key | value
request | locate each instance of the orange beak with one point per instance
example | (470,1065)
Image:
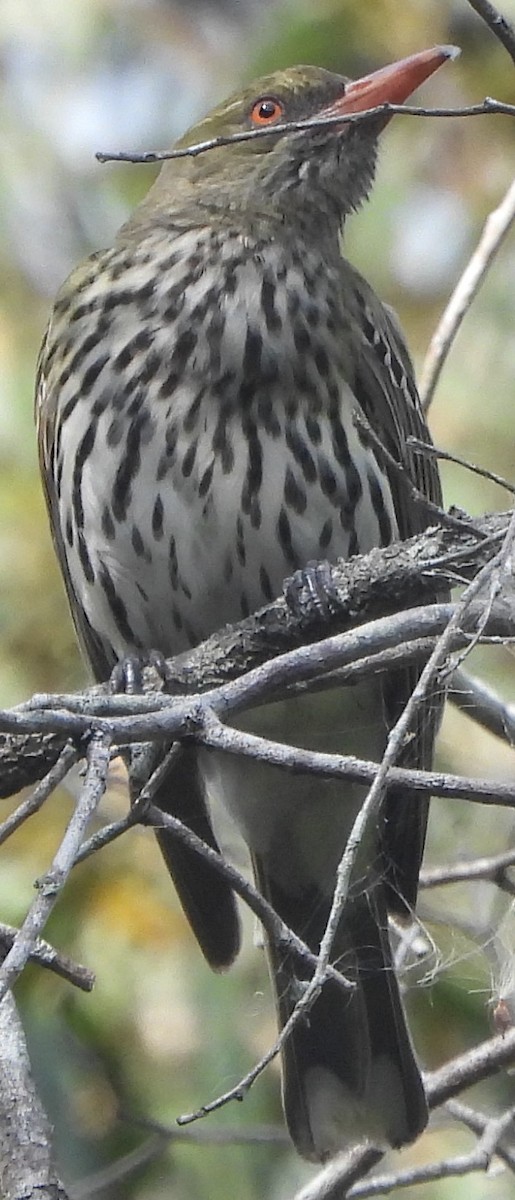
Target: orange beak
(392,84)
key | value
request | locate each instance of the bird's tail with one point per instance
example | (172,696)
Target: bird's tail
(349,1071)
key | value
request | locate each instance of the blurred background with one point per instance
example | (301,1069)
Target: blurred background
(160,1035)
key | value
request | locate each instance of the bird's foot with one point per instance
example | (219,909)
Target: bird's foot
(142,758)
(311,591)
(127,675)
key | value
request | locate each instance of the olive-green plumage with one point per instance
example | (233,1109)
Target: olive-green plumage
(196,397)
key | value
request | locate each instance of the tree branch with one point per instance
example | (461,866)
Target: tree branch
(462,1072)
(497,226)
(502,29)
(485,107)
(26,1163)
(46,956)
(493,868)
(479,701)
(367,586)
(51,884)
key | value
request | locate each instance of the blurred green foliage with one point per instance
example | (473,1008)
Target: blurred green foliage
(160,1035)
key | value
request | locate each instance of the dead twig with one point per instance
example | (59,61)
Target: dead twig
(27,1169)
(492,867)
(51,884)
(485,107)
(392,578)
(497,225)
(502,29)
(44,955)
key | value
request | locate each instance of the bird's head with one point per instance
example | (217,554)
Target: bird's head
(318,174)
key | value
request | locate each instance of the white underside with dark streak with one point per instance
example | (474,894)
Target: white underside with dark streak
(205,530)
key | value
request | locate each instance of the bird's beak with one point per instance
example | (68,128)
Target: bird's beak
(390,85)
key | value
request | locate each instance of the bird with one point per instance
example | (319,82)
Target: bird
(197,393)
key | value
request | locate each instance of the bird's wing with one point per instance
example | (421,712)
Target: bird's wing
(47,423)
(206,897)
(384,386)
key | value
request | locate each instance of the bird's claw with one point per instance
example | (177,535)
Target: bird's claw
(312,588)
(127,675)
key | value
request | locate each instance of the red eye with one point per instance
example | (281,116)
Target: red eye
(266,110)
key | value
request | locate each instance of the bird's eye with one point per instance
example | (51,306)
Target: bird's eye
(266,110)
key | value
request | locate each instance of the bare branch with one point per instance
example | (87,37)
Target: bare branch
(108,1177)
(188,717)
(477,1064)
(388,579)
(487,106)
(431,451)
(479,701)
(26,1162)
(500,26)
(477,1122)
(163,1135)
(277,931)
(336,1180)
(67,758)
(492,868)
(497,225)
(51,884)
(440,1085)
(478,1159)
(369,812)
(46,956)
(345,766)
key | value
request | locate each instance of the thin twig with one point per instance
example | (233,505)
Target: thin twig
(51,884)
(497,225)
(163,1136)
(150,1150)
(487,106)
(479,701)
(483,1061)
(431,451)
(105,836)
(242,1087)
(501,569)
(413,494)
(477,1122)
(67,759)
(44,955)
(478,1159)
(369,812)
(502,29)
(181,716)
(27,1168)
(491,868)
(110,833)
(277,931)
(224,738)
(462,1072)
